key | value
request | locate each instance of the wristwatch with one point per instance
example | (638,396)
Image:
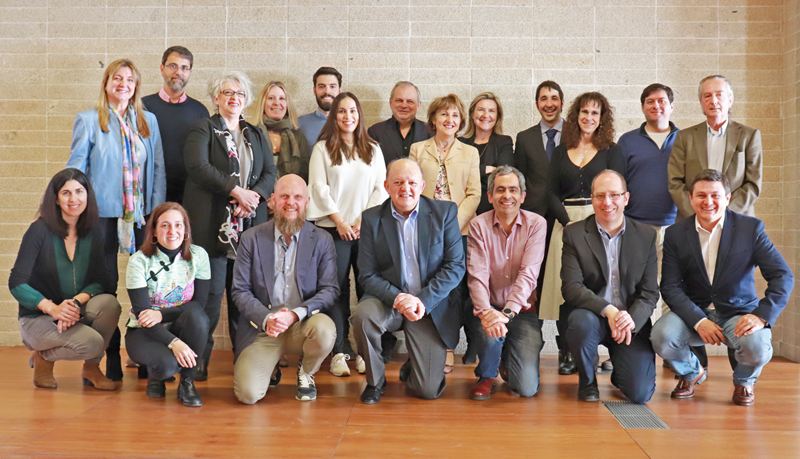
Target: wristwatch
(509,313)
(77,302)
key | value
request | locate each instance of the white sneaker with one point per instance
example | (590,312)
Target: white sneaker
(306,389)
(339,365)
(361,366)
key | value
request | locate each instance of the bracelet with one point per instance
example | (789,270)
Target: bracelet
(77,302)
(172,343)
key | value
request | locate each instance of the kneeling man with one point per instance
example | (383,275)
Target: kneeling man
(410,259)
(284,275)
(707,282)
(609,280)
(505,248)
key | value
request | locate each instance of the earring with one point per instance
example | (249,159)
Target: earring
(185,236)
(154,241)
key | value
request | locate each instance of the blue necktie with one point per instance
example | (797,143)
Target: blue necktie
(551,143)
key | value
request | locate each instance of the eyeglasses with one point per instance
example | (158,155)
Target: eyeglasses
(231,93)
(602,196)
(183,68)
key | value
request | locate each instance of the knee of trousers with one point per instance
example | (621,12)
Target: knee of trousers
(91,348)
(162,368)
(639,392)
(249,395)
(110,306)
(425,389)
(664,336)
(581,323)
(195,320)
(324,331)
(525,387)
(361,320)
(754,351)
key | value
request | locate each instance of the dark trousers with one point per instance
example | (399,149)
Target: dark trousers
(346,257)
(634,365)
(219,273)
(233,310)
(191,327)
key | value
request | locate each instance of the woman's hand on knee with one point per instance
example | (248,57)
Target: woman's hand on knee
(184,354)
(149,318)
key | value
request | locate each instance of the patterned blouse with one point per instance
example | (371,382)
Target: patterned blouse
(442,190)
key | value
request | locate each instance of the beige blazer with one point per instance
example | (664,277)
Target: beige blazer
(462,167)
(742,165)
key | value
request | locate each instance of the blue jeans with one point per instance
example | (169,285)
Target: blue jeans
(519,350)
(672,338)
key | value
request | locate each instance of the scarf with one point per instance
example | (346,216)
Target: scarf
(232,227)
(288,158)
(132,196)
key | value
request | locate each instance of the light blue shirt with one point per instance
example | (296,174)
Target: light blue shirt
(409,249)
(286,294)
(311,125)
(612,245)
(546,128)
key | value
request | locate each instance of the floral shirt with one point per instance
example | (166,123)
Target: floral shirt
(442,190)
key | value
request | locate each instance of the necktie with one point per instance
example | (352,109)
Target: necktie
(551,143)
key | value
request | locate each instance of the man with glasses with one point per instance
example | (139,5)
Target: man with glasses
(609,281)
(175,112)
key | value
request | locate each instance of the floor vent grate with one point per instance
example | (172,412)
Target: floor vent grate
(633,416)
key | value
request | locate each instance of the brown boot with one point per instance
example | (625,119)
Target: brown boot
(43,372)
(92,376)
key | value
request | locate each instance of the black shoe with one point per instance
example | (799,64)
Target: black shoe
(306,387)
(567,366)
(405,371)
(187,394)
(156,389)
(113,367)
(372,394)
(589,393)
(388,342)
(606,366)
(202,370)
(275,379)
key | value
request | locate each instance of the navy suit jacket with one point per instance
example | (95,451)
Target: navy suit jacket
(441,261)
(254,276)
(743,245)
(387,134)
(530,158)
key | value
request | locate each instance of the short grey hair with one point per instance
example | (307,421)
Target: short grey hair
(506,170)
(235,76)
(713,77)
(405,83)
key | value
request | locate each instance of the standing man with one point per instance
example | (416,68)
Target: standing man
(610,282)
(708,283)
(175,112)
(396,134)
(327,85)
(534,149)
(505,249)
(720,144)
(410,259)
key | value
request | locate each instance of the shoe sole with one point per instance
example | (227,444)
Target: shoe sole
(743,404)
(305,398)
(567,373)
(480,397)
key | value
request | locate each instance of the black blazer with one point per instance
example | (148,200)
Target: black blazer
(584,270)
(499,151)
(387,134)
(531,159)
(209,185)
(743,245)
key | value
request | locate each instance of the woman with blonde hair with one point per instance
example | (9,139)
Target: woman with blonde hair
(276,116)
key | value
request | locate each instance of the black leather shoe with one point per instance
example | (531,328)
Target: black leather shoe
(568,365)
(156,389)
(606,366)
(405,371)
(202,370)
(589,393)
(275,379)
(372,394)
(187,394)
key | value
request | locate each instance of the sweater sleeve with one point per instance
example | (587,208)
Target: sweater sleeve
(29,249)
(319,190)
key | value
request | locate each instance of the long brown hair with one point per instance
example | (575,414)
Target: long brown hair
(50,211)
(337,149)
(603,137)
(149,247)
(136,100)
(498,125)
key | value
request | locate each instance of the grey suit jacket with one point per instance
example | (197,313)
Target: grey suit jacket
(584,270)
(254,276)
(742,165)
(530,158)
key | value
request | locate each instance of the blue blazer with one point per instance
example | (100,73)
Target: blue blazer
(99,155)
(743,245)
(441,261)
(254,276)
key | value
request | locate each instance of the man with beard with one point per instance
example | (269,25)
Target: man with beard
(327,85)
(175,112)
(284,275)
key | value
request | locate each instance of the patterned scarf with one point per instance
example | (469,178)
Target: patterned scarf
(132,196)
(232,227)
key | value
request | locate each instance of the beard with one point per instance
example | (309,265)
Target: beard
(290,226)
(176,85)
(324,105)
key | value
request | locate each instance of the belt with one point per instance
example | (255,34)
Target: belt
(578,202)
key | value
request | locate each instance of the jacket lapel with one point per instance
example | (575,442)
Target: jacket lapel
(266,250)
(424,237)
(595,244)
(694,245)
(305,246)
(724,245)
(627,245)
(389,225)
(218,125)
(731,141)
(700,137)
(430,149)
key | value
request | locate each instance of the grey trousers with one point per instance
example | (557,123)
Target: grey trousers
(312,338)
(86,340)
(426,350)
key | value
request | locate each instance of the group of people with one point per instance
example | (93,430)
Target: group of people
(440,232)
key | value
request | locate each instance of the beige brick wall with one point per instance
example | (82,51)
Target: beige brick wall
(52,54)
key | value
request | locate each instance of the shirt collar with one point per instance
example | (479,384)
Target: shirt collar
(722,129)
(496,222)
(165,97)
(718,226)
(603,232)
(398,216)
(557,127)
(319,114)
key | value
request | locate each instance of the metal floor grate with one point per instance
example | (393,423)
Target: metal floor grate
(633,416)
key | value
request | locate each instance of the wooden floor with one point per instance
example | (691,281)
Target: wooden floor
(74,421)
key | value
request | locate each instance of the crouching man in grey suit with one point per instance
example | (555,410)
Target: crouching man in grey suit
(285,274)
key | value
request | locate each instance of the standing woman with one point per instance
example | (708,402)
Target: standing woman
(587,148)
(118,145)
(66,309)
(277,119)
(230,177)
(450,168)
(485,133)
(346,176)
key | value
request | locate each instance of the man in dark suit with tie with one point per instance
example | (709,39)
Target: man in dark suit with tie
(708,283)
(285,274)
(398,133)
(609,281)
(410,259)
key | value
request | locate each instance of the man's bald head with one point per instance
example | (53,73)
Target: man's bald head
(289,202)
(404,184)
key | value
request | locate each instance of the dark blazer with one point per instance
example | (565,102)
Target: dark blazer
(254,276)
(531,159)
(743,245)
(499,151)
(387,134)
(209,185)
(584,270)
(441,261)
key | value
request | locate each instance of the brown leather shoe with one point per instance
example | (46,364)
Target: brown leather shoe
(685,388)
(743,395)
(482,390)
(43,372)
(92,376)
